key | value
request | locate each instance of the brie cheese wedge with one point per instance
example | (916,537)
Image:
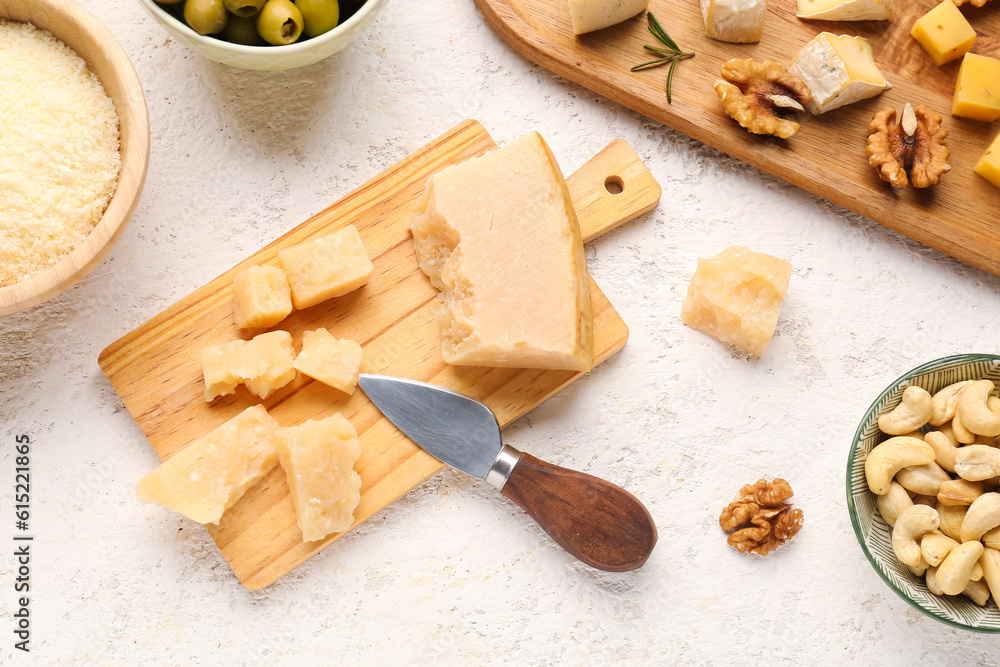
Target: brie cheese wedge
(838,71)
(590,15)
(737,21)
(846,10)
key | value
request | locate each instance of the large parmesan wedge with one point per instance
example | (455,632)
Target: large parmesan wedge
(318,458)
(499,237)
(208,476)
(838,70)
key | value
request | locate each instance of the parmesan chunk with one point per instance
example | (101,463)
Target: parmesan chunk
(208,476)
(261,297)
(331,361)
(318,458)
(326,267)
(499,236)
(264,364)
(736,297)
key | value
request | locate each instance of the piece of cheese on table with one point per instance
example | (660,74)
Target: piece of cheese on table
(977,90)
(737,21)
(838,70)
(332,361)
(326,267)
(318,458)
(846,10)
(261,297)
(590,15)
(264,364)
(208,476)
(988,165)
(736,297)
(944,33)
(499,236)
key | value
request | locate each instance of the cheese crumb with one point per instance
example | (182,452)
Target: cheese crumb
(59,158)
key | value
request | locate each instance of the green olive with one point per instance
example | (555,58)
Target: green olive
(319,15)
(242,30)
(279,22)
(206,17)
(244,7)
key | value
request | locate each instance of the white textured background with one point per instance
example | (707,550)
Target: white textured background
(453,573)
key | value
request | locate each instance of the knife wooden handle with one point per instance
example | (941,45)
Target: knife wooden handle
(603,525)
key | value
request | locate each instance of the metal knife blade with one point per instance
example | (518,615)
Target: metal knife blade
(596,521)
(450,426)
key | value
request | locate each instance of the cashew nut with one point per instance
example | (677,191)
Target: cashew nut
(925,480)
(977,462)
(991,538)
(974,409)
(962,434)
(985,439)
(978,592)
(990,562)
(913,411)
(944,449)
(943,403)
(954,573)
(888,458)
(892,503)
(920,568)
(959,492)
(977,572)
(931,578)
(983,515)
(952,517)
(935,546)
(930,501)
(912,524)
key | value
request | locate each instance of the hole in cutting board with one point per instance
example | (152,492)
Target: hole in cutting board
(614,185)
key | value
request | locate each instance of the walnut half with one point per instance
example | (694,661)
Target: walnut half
(760,518)
(761,96)
(915,144)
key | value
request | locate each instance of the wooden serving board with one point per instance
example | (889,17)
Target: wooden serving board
(157,372)
(960,217)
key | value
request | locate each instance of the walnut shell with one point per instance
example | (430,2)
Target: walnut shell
(761,95)
(915,144)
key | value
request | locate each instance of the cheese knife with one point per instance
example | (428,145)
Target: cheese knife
(596,521)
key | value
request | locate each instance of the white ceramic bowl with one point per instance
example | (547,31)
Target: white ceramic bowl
(873,532)
(268,58)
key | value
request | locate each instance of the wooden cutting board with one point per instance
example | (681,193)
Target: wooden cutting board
(156,368)
(960,217)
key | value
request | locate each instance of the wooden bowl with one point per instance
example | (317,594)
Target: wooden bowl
(82,32)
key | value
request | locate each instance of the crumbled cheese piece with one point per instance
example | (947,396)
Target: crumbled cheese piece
(329,360)
(208,476)
(263,363)
(261,297)
(736,297)
(59,157)
(326,267)
(318,458)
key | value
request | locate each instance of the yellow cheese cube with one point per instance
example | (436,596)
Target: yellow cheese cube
(264,364)
(944,33)
(989,164)
(208,476)
(977,91)
(318,458)
(326,267)
(736,297)
(261,297)
(329,360)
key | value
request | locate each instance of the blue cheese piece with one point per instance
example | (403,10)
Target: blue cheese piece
(838,71)
(590,15)
(737,21)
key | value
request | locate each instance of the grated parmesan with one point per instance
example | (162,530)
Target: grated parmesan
(59,156)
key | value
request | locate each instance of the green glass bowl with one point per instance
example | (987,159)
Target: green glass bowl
(871,529)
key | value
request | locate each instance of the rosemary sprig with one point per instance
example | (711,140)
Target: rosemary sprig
(672,54)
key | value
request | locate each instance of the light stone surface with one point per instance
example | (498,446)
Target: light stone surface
(453,573)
